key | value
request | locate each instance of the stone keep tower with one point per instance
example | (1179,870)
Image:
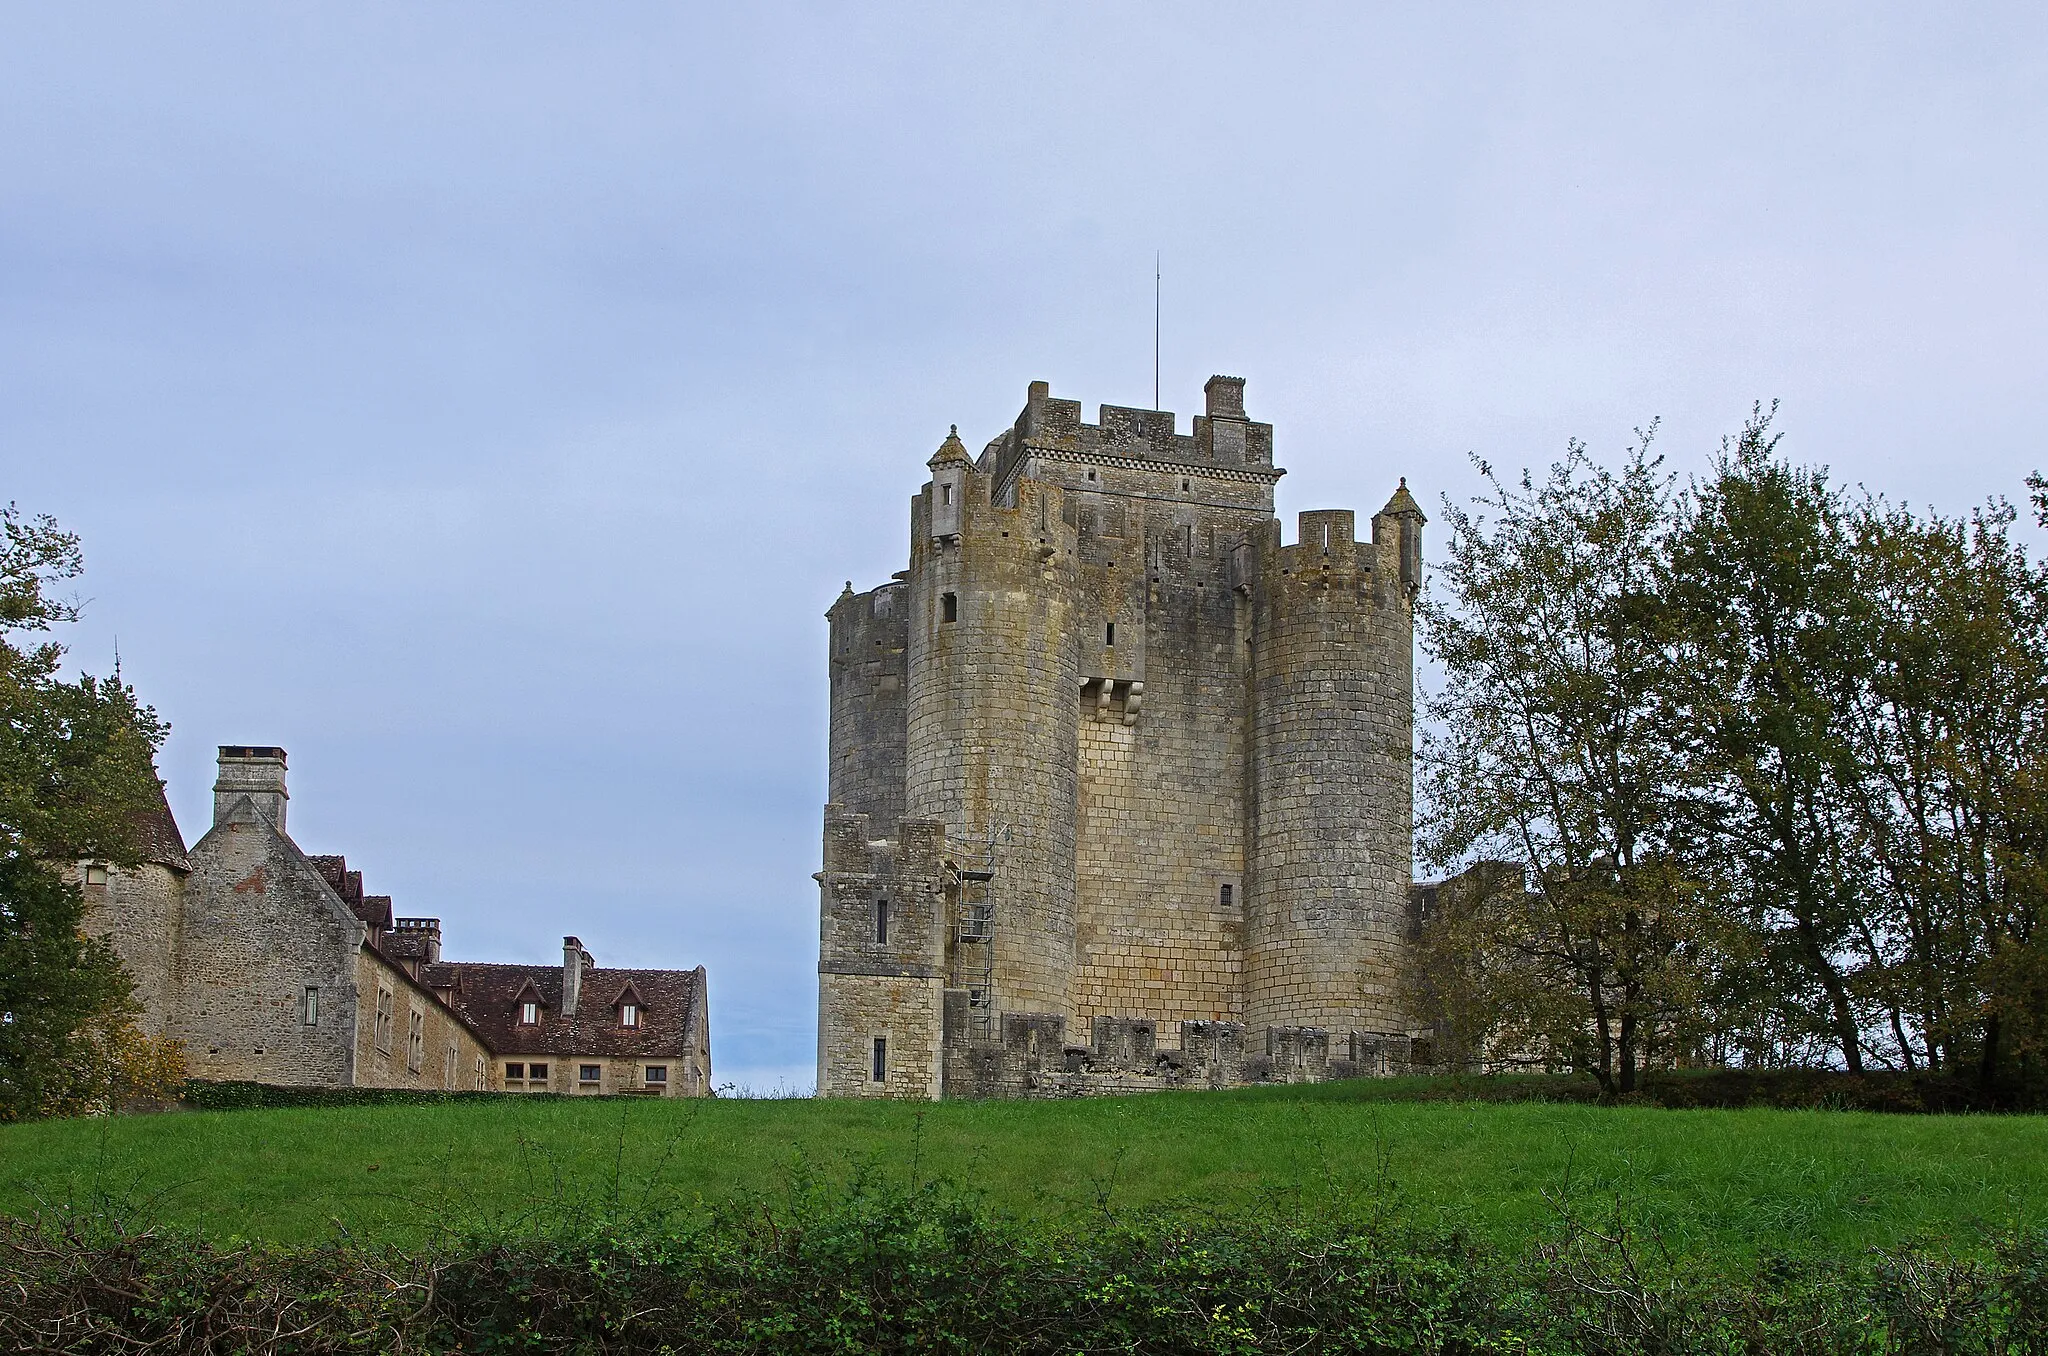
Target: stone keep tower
(1110,760)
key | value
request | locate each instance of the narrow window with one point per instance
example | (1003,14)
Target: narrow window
(629,1014)
(881,1067)
(589,1073)
(1112,634)
(1091,475)
(1183,484)
(945,495)
(1226,897)
(482,1078)
(882,921)
(657,1075)
(529,1014)
(949,607)
(309,1006)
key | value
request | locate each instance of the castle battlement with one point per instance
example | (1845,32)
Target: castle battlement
(1145,767)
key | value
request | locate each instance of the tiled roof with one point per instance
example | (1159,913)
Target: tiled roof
(374,910)
(488,997)
(156,834)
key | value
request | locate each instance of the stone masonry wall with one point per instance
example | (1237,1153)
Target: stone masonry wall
(261,927)
(993,713)
(880,980)
(447,1056)
(1182,748)
(1331,813)
(140,911)
(869,642)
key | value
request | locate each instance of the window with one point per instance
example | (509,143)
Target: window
(881,1067)
(589,1073)
(515,1073)
(483,1079)
(537,1074)
(629,1014)
(1183,484)
(1091,475)
(416,1042)
(882,921)
(949,607)
(529,1014)
(95,874)
(380,1029)
(309,1006)
(945,493)
(657,1075)
(451,1060)
(1224,899)
(1111,637)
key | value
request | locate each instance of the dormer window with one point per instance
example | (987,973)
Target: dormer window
(629,1014)
(529,1014)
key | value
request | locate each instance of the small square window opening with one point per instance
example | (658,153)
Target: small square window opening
(95,874)
(657,1074)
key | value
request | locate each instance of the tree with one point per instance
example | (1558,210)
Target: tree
(77,775)
(1549,744)
(1761,600)
(1949,736)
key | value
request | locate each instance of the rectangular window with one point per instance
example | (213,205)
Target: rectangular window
(309,1006)
(1226,896)
(589,1073)
(945,493)
(416,1042)
(880,1072)
(882,921)
(515,1073)
(451,1060)
(483,1079)
(657,1075)
(95,874)
(537,1072)
(629,1014)
(1111,639)
(381,1028)
(949,607)
(529,1014)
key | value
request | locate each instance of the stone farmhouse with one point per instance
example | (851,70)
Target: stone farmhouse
(275,967)
(1120,787)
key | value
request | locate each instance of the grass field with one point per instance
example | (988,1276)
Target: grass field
(1730,1184)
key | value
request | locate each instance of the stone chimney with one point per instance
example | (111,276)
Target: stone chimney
(257,773)
(574,958)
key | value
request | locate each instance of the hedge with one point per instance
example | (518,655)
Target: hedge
(928,1269)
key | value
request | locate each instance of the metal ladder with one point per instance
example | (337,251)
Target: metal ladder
(974,942)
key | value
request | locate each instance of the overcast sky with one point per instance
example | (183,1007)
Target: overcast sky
(484,402)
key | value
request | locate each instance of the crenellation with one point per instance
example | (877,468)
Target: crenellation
(1166,754)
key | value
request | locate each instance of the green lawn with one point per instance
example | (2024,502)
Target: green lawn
(1726,1183)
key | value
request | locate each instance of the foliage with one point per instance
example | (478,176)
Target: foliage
(1550,746)
(1773,762)
(76,778)
(883,1266)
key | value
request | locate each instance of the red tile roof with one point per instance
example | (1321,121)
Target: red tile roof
(489,996)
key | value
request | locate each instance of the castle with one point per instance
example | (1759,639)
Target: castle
(272,966)
(1120,790)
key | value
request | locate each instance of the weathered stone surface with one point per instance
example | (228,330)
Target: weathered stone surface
(1176,749)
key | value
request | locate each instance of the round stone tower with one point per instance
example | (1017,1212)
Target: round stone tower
(1331,799)
(994,710)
